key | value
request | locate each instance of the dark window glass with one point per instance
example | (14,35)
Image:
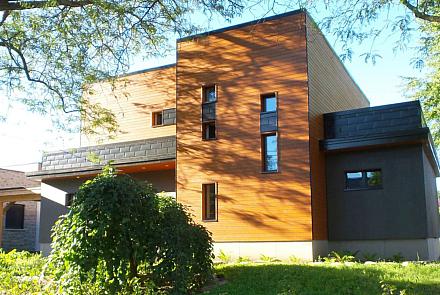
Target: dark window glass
(209,94)
(69,199)
(209,130)
(157,118)
(209,202)
(15,217)
(269,103)
(270,152)
(363,179)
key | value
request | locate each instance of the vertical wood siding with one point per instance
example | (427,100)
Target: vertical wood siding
(331,89)
(246,62)
(134,99)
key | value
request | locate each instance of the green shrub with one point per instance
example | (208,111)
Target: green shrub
(340,257)
(121,238)
(225,258)
(268,259)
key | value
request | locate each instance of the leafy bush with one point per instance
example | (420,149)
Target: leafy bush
(120,237)
(340,257)
(225,258)
(268,259)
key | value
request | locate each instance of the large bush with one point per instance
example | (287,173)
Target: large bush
(121,237)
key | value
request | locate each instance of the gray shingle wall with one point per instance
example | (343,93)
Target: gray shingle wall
(23,239)
(169,117)
(124,152)
(374,120)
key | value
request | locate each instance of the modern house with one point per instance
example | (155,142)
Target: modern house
(260,130)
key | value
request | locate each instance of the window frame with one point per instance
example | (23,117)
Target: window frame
(364,183)
(6,227)
(263,98)
(263,152)
(204,185)
(153,118)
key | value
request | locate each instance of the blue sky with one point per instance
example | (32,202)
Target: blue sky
(24,135)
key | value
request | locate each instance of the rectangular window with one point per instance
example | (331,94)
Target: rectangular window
(270,152)
(209,93)
(268,103)
(15,217)
(365,179)
(69,199)
(209,199)
(209,130)
(157,118)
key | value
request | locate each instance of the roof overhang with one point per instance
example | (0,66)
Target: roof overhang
(389,139)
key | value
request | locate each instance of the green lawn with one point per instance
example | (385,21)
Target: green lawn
(327,278)
(20,274)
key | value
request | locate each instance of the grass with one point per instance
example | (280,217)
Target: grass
(329,278)
(20,273)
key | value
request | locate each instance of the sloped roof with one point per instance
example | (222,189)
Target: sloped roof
(11,179)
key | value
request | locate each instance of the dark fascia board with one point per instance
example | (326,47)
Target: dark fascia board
(415,103)
(50,174)
(250,23)
(420,135)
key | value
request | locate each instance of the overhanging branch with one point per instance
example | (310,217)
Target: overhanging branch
(421,14)
(10,5)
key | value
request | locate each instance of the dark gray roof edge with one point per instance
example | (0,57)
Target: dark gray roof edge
(375,108)
(69,150)
(147,70)
(395,137)
(91,169)
(249,23)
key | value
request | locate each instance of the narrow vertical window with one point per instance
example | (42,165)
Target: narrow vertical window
(15,217)
(268,103)
(209,199)
(209,103)
(270,152)
(69,199)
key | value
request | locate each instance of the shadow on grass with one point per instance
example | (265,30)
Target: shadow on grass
(326,279)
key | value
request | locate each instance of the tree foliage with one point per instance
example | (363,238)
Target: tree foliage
(120,237)
(53,50)
(427,88)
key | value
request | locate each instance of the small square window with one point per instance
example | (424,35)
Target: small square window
(209,199)
(15,217)
(209,131)
(269,102)
(365,179)
(209,93)
(157,118)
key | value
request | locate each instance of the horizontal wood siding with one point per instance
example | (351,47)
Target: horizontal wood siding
(133,100)
(245,63)
(330,89)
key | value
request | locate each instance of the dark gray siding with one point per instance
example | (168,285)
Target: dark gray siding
(397,211)
(431,198)
(53,194)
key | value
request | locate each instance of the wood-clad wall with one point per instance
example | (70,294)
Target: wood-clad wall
(331,89)
(133,100)
(246,62)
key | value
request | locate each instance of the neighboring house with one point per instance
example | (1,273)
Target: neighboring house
(260,130)
(19,211)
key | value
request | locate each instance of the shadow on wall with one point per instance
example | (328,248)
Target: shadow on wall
(246,63)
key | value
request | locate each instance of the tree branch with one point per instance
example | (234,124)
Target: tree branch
(9,5)
(420,14)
